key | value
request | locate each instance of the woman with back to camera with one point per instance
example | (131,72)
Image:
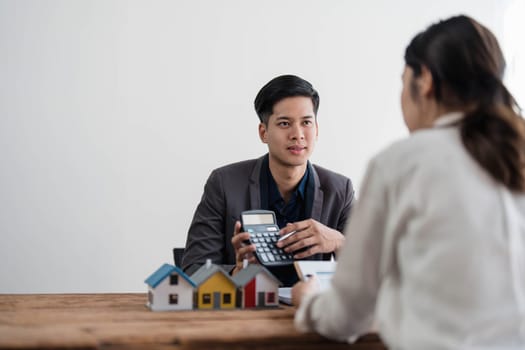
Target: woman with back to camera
(435,250)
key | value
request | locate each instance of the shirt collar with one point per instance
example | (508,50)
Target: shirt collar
(300,190)
(448,119)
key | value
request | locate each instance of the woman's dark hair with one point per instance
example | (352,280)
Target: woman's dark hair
(467,67)
(279,88)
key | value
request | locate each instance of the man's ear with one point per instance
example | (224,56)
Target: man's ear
(262,133)
(425,82)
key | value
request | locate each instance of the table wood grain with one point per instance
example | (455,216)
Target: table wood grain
(122,321)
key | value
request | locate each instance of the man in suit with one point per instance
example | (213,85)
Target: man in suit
(306,198)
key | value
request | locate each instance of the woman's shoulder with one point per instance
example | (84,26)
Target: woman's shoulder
(423,143)
(422,148)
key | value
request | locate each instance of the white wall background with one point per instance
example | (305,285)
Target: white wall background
(113,114)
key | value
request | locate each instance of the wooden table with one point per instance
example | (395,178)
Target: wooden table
(122,321)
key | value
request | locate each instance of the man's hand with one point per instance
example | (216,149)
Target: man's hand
(242,250)
(317,237)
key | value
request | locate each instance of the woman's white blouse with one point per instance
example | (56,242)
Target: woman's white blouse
(434,256)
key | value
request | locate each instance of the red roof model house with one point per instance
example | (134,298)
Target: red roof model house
(259,288)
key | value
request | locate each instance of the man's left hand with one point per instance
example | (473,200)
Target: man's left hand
(313,235)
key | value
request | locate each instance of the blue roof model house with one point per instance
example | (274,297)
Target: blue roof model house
(169,288)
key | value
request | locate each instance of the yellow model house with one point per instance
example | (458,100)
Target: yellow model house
(214,288)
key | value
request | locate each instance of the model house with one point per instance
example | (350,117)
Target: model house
(214,288)
(257,286)
(169,288)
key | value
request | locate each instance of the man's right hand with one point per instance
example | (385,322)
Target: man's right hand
(242,250)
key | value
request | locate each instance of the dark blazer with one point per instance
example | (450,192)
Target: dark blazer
(235,188)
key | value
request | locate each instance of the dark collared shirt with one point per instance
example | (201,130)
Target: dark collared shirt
(289,212)
(298,208)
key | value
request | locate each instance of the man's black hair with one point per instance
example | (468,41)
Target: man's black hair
(280,88)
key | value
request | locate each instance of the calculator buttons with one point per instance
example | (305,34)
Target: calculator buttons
(267,251)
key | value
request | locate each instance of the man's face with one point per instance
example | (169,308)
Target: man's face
(291,132)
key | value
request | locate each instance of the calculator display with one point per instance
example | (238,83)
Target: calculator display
(257,219)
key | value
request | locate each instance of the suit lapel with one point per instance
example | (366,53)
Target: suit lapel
(255,185)
(317,204)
